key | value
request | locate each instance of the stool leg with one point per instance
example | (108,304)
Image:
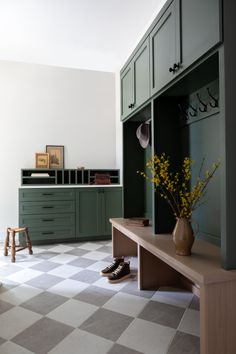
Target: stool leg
(13,247)
(28,241)
(6,244)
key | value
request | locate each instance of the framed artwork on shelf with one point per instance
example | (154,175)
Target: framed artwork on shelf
(41,160)
(56,156)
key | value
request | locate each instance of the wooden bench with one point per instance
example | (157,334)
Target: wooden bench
(159,265)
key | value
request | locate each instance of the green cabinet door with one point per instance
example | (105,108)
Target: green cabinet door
(165,47)
(127,91)
(201,28)
(112,207)
(141,67)
(135,81)
(94,207)
(88,212)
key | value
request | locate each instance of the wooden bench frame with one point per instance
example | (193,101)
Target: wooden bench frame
(159,265)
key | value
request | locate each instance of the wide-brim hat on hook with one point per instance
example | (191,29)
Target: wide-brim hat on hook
(142,134)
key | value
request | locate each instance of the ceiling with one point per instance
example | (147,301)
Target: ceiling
(85,34)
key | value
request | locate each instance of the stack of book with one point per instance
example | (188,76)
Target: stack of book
(137,221)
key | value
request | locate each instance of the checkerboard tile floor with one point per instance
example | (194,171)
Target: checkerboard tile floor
(56,302)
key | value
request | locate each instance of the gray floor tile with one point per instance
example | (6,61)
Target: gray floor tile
(44,281)
(46,255)
(164,314)
(107,324)
(5,306)
(2,340)
(106,249)
(44,302)
(120,349)
(45,266)
(184,343)
(77,252)
(42,336)
(95,295)
(132,288)
(82,262)
(195,303)
(86,276)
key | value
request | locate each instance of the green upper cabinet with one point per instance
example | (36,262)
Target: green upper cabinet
(201,28)
(165,47)
(135,86)
(127,91)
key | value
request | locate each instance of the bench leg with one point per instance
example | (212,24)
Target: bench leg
(122,245)
(153,272)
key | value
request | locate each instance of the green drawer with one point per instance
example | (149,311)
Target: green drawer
(50,207)
(46,194)
(52,220)
(44,235)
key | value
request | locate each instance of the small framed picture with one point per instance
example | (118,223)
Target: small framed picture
(56,156)
(41,160)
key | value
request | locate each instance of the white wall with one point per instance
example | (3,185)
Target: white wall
(42,105)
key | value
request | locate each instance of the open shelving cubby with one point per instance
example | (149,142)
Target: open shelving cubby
(40,176)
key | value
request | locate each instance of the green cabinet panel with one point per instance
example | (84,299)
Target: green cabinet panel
(47,207)
(88,210)
(201,28)
(46,194)
(112,207)
(94,207)
(52,220)
(165,47)
(135,81)
(127,92)
(49,213)
(45,235)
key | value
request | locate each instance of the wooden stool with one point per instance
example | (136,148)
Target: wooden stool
(10,241)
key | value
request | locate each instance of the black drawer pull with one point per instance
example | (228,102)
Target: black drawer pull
(48,207)
(48,233)
(47,193)
(47,219)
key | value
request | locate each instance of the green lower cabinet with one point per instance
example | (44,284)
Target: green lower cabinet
(94,207)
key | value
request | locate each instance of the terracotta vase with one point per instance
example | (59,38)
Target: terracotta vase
(183,237)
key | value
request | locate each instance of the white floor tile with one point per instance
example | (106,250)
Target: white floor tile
(12,348)
(68,288)
(73,312)
(98,266)
(24,275)
(15,321)
(63,258)
(190,322)
(147,337)
(61,248)
(126,304)
(103,283)
(65,271)
(81,342)
(90,246)
(19,294)
(172,296)
(96,255)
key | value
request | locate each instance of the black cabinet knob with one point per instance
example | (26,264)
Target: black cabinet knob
(176,66)
(131,105)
